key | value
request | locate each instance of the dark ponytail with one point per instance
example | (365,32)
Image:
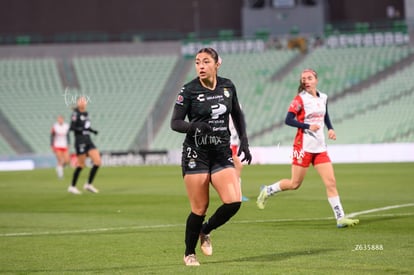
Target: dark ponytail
(301,87)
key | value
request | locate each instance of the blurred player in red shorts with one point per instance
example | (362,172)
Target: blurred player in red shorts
(59,141)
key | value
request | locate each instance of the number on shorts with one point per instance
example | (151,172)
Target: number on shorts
(191,153)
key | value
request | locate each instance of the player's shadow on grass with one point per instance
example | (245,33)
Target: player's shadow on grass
(277,256)
(151,268)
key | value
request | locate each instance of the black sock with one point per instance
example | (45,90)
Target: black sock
(92,173)
(221,216)
(192,231)
(76,175)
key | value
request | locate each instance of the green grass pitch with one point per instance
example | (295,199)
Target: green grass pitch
(135,225)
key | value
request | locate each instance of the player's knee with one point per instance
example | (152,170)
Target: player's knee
(97,161)
(199,209)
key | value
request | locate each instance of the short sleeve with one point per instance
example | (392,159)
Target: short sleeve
(296,105)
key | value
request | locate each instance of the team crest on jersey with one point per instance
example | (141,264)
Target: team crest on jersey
(192,164)
(226,92)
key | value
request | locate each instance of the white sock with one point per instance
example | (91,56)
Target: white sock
(274,188)
(336,205)
(59,171)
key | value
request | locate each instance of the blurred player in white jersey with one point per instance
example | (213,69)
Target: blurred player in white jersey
(59,141)
(234,145)
(309,113)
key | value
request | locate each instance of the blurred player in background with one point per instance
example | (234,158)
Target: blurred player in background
(81,127)
(59,141)
(208,101)
(234,144)
(309,113)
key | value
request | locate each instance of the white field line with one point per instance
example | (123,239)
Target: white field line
(379,209)
(92,230)
(141,227)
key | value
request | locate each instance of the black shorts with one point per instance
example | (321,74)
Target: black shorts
(198,160)
(84,147)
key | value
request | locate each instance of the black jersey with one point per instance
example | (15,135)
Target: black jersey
(211,106)
(81,126)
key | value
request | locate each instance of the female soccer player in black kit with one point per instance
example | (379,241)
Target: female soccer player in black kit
(208,101)
(81,126)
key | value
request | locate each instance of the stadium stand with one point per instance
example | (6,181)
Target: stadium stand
(266,102)
(5,148)
(344,67)
(31,96)
(380,113)
(370,115)
(386,124)
(124,89)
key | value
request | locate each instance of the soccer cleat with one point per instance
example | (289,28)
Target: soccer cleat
(345,222)
(205,244)
(245,198)
(90,188)
(261,199)
(74,190)
(191,260)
